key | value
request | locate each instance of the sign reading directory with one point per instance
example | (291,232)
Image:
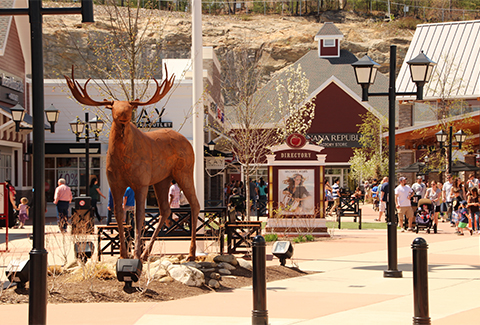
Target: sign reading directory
(296,188)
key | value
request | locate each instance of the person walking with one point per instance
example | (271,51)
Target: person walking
(473,205)
(110,207)
(447,196)
(128,204)
(174,195)
(336,196)
(434,194)
(403,194)
(419,188)
(383,197)
(95,194)
(62,198)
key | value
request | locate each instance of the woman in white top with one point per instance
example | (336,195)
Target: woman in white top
(435,195)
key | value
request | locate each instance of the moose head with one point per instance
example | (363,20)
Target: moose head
(121,110)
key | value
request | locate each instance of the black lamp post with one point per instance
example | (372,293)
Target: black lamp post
(442,137)
(211,145)
(37,301)
(78,127)
(18,114)
(421,69)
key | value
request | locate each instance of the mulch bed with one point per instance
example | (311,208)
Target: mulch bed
(62,290)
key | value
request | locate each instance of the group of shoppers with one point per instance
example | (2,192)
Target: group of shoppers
(453,201)
(63,197)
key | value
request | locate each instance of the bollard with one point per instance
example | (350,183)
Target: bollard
(259,312)
(420,281)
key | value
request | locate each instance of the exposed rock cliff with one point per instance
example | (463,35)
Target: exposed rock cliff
(283,39)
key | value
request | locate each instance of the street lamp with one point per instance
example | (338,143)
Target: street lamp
(211,145)
(442,137)
(365,72)
(37,295)
(78,127)
(18,114)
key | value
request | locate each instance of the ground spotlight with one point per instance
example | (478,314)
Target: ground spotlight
(282,250)
(128,271)
(84,250)
(18,271)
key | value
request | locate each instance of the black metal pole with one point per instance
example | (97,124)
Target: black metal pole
(37,297)
(392,271)
(420,281)
(450,145)
(87,156)
(259,312)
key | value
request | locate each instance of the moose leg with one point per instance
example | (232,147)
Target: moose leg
(161,192)
(185,181)
(140,197)
(117,193)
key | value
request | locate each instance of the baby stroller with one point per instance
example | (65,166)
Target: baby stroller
(424,215)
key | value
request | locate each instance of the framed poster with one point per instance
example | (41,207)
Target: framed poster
(296,191)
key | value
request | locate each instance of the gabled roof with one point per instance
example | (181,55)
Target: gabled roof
(454,46)
(5,22)
(320,70)
(328,30)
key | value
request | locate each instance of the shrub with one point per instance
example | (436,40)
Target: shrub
(271,237)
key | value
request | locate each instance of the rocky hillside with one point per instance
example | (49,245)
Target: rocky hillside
(283,39)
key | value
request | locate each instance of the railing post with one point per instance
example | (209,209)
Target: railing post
(259,312)
(420,281)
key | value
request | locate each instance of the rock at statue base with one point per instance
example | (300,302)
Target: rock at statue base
(245,264)
(225,265)
(166,279)
(187,275)
(224,271)
(226,258)
(214,284)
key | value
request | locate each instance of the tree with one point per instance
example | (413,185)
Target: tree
(371,159)
(448,110)
(256,119)
(120,48)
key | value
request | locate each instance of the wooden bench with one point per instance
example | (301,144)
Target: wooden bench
(350,207)
(240,235)
(112,236)
(209,227)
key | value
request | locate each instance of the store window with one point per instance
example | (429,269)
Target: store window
(5,167)
(72,169)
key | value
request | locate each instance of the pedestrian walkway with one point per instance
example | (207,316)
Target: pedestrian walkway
(347,288)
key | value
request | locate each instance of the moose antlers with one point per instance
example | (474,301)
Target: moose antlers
(81,95)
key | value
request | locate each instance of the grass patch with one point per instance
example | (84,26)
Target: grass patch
(354,225)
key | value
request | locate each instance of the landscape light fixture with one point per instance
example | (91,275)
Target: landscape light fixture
(128,271)
(282,250)
(18,271)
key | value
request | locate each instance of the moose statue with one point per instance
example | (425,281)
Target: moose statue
(138,159)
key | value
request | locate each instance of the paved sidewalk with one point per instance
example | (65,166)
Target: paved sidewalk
(349,288)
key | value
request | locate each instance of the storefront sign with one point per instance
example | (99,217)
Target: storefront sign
(214,162)
(336,140)
(12,83)
(152,121)
(295,155)
(70,176)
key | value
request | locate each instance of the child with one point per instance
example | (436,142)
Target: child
(456,203)
(23,212)
(425,213)
(463,221)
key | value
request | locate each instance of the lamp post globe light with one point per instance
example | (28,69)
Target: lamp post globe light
(78,127)
(37,296)
(443,137)
(365,72)
(18,114)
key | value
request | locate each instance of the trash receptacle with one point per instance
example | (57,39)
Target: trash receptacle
(82,217)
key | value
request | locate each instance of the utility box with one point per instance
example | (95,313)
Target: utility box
(83,202)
